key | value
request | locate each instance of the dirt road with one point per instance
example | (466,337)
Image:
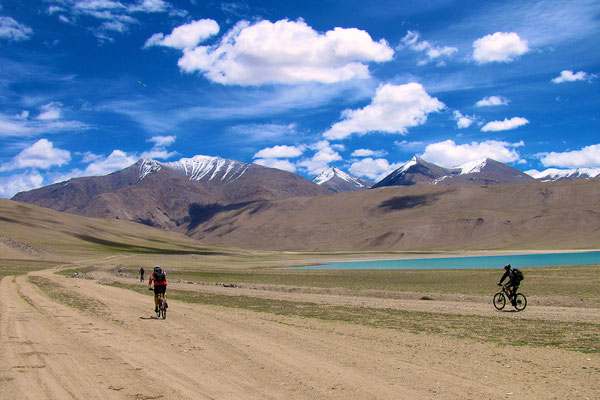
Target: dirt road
(119,351)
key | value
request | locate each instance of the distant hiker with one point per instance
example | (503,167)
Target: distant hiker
(515,276)
(160,284)
(142,274)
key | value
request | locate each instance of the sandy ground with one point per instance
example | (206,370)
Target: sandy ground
(52,351)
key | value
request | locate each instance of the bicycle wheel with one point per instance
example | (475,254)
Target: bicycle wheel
(499,300)
(521,302)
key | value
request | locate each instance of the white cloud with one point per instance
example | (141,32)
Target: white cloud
(392,110)
(368,153)
(412,40)
(185,36)
(325,155)
(589,156)
(115,161)
(491,101)
(262,132)
(287,52)
(48,121)
(374,169)
(499,47)
(14,31)
(113,15)
(449,154)
(569,76)
(50,111)
(505,125)
(463,121)
(284,165)
(280,152)
(13,184)
(150,6)
(159,150)
(42,154)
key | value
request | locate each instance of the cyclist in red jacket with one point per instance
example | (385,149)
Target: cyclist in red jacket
(160,285)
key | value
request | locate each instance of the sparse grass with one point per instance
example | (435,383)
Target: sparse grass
(576,282)
(520,332)
(10,267)
(67,297)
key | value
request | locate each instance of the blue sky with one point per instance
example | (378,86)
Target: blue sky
(87,87)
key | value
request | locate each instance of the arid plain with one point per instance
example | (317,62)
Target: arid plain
(76,322)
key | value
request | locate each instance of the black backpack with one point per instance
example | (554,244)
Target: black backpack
(159,275)
(518,275)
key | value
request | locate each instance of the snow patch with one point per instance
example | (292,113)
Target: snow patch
(472,167)
(147,167)
(554,174)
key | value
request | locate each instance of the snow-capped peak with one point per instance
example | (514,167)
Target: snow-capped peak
(148,166)
(333,172)
(472,167)
(325,176)
(409,163)
(554,174)
(206,167)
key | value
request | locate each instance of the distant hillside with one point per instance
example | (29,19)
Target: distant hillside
(32,232)
(555,215)
(162,194)
(337,181)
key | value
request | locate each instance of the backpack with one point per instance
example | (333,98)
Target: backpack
(518,275)
(159,275)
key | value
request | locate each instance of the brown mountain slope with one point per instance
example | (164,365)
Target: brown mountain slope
(32,232)
(421,217)
(162,196)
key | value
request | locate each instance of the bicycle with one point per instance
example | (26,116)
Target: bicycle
(162,306)
(500,299)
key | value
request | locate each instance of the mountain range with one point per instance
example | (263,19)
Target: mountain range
(192,191)
(167,194)
(481,172)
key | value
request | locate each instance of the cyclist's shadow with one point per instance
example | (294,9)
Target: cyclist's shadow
(151,317)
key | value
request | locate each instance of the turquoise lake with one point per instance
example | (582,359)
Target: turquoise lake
(517,261)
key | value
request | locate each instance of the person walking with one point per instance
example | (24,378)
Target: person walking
(142,274)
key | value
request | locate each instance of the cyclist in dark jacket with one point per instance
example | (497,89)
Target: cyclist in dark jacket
(159,277)
(513,282)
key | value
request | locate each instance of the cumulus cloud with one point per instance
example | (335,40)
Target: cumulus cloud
(286,52)
(185,36)
(449,154)
(507,124)
(374,169)
(588,156)
(432,52)
(325,154)
(491,101)
(284,165)
(115,161)
(280,152)
(42,155)
(393,109)
(499,47)
(463,121)
(13,31)
(368,153)
(13,184)
(568,76)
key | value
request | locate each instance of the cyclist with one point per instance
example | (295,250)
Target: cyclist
(160,285)
(514,280)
